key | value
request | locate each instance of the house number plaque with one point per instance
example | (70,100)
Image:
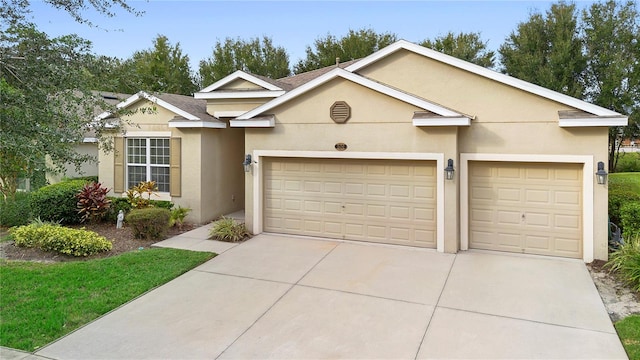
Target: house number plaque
(341,146)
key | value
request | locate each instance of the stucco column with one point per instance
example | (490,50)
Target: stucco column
(452,195)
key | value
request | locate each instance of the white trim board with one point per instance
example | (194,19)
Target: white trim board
(258,155)
(239,74)
(142,95)
(588,220)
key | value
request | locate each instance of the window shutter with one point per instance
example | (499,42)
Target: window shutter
(175,175)
(118,165)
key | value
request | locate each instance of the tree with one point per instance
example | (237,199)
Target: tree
(356,44)
(611,35)
(465,46)
(547,50)
(46,103)
(256,56)
(163,68)
(14,12)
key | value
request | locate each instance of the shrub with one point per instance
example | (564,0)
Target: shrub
(57,202)
(227,229)
(148,223)
(619,194)
(15,212)
(177,216)
(628,162)
(626,262)
(53,237)
(117,204)
(93,203)
(139,196)
(630,219)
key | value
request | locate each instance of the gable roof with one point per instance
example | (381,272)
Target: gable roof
(189,112)
(300,79)
(358,79)
(612,116)
(270,88)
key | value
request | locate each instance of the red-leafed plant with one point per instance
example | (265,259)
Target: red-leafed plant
(93,203)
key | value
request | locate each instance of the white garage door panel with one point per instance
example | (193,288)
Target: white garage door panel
(388,201)
(533,208)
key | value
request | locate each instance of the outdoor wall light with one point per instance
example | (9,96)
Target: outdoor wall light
(601,174)
(449,170)
(247,163)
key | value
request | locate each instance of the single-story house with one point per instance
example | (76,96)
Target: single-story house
(407,146)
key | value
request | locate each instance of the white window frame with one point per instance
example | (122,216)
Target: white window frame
(162,195)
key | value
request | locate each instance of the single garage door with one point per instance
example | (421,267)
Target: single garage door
(386,201)
(531,208)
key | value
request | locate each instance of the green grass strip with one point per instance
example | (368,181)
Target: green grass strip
(42,302)
(630,181)
(629,333)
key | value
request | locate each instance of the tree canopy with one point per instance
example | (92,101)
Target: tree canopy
(163,68)
(611,37)
(465,46)
(355,45)
(257,56)
(46,104)
(547,50)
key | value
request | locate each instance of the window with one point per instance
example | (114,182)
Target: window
(148,160)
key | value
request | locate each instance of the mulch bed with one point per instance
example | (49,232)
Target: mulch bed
(122,240)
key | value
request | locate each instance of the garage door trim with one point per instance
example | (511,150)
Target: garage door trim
(258,156)
(587,193)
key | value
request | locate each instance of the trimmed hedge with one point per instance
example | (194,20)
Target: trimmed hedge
(15,212)
(619,195)
(57,202)
(630,219)
(52,237)
(149,223)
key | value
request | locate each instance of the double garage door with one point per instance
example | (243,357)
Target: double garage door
(532,208)
(386,201)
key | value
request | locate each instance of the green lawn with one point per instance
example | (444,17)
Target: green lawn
(630,180)
(629,332)
(42,302)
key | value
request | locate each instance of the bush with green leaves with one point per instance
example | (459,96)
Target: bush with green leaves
(93,203)
(177,216)
(620,194)
(57,202)
(628,162)
(15,212)
(630,219)
(626,262)
(149,223)
(54,237)
(229,230)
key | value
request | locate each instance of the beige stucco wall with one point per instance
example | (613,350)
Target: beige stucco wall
(241,84)
(202,173)
(214,105)
(89,168)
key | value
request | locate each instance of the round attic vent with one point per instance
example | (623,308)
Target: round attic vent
(340,112)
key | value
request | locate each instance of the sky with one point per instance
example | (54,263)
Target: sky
(294,25)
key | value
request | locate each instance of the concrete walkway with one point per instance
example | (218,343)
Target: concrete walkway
(292,297)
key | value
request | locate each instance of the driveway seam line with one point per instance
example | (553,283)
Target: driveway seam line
(275,302)
(361,294)
(244,277)
(527,320)
(435,307)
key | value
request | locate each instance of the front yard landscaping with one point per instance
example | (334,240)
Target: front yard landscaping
(41,302)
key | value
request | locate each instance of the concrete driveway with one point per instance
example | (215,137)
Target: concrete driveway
(292,297)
